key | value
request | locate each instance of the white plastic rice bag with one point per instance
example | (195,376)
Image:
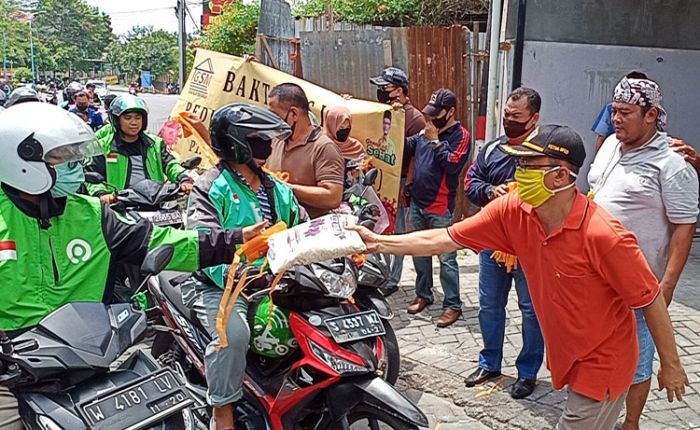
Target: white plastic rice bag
(317,240)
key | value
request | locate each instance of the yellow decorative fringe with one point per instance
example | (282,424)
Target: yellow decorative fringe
(509,260)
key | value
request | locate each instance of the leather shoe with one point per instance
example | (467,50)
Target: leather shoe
(448,317)
(480,375)
(522,388)
(418,304)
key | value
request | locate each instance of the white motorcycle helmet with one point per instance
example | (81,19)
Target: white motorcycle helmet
(34,136)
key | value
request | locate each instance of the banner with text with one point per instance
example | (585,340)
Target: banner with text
(218,79)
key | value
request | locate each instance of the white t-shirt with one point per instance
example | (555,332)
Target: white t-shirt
(647,189)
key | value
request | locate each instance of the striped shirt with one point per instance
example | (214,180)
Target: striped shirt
(262,197)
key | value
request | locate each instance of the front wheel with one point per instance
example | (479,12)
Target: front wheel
(391,356)
(368,417)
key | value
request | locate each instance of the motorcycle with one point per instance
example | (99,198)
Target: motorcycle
(322,373)
(173,88)
(60,370)
(375,271)
(133,88)
(159,203)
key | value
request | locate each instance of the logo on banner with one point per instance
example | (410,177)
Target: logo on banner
(8,250)
(201,78)
(78,251)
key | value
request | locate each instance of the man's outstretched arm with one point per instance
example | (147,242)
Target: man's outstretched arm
(424,242)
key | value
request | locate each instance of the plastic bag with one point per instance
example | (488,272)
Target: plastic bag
(317,240)
(170,132)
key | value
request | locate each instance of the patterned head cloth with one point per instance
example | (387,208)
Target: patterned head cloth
(644,93)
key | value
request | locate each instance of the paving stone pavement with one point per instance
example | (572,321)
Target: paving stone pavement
(435,361)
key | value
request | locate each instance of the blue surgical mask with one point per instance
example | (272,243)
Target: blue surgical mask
(69,177)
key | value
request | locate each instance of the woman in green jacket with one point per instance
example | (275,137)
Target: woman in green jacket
(132,154)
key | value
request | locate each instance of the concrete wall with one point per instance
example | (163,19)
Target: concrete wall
(577,80)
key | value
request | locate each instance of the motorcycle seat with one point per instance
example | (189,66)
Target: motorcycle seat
(170,285)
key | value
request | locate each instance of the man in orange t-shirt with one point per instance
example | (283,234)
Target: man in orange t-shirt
(585,271)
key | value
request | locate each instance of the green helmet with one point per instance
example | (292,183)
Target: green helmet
(124,104)
(270,334)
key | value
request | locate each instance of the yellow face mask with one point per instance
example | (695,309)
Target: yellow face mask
(531,187)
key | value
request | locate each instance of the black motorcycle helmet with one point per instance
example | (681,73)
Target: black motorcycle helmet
(240,132)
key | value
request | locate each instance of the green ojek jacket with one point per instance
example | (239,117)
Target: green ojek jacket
(43,268)
(220,199)
(114,165)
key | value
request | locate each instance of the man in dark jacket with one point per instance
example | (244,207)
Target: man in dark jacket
(488,179)
(392,88)
(440,152)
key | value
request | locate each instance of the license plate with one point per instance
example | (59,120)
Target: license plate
(348,328)
(139,405)
(166,218)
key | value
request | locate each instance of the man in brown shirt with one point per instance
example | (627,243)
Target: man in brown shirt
(312,160)
(392,88)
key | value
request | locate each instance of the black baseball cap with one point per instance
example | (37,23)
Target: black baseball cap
(441,99)
(391,75)
(556,141)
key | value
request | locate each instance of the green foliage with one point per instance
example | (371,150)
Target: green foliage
(69,32)
(144,48)
(393,12)
(22,74)
(234,31)
(65,33)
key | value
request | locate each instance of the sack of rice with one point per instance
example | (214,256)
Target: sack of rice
(317,240)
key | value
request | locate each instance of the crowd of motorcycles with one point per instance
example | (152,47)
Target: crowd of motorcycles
(335,370)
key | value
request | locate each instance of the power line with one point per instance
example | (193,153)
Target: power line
(196,26)
(131,12)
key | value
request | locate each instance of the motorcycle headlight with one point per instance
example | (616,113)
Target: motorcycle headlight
(338,364)
(341,285)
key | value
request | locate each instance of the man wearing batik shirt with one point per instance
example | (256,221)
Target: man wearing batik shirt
(643,182)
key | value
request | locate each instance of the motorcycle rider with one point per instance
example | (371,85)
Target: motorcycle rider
(85,111)
(93,97)
(234,194)
(22,95)
(131,153)
(71,90)
(57,247)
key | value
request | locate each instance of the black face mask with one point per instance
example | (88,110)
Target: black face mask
(383,96)
(515,129)
(260,148)
(81,107)
(439,123)
(342,134)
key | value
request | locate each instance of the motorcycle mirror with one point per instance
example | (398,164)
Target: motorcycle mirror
(157,260)
(370,177)
(191,162)
(94,178)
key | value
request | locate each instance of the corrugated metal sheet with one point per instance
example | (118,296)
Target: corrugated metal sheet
(277,24)
(343,61)
(438,57)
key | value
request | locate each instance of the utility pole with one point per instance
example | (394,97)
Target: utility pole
(181,12)
(31,45)
(4,55)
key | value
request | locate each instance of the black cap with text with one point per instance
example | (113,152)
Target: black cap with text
(556,141)
(441,99)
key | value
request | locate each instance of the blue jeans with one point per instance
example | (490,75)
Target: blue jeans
(399,227)
(645,366)
(449,271)
(494,286)
(397,268)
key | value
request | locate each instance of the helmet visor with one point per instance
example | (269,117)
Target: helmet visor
(73,152)
(279,134)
